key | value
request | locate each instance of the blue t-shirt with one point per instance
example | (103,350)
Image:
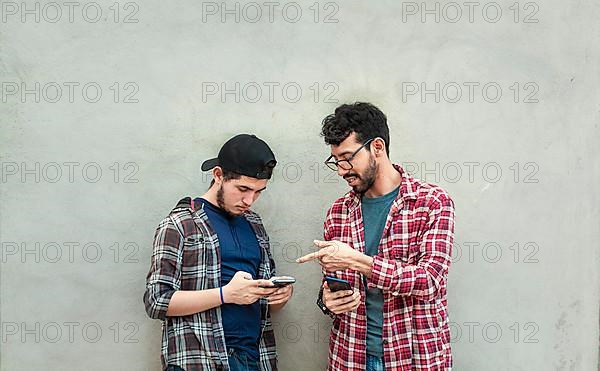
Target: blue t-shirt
(239,252)
(375,211)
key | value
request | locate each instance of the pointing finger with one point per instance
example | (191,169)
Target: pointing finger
(311,256)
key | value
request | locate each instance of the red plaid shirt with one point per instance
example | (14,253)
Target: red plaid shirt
(411,269)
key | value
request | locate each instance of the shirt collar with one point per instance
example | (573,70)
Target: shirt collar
(408,191)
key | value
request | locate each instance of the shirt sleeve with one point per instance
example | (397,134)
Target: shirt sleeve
(327,237)
(272,265)
(328,225)
(164,277)
(425,279)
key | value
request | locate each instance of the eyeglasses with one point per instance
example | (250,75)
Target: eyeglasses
(344,164)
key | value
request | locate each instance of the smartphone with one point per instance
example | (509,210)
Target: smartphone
(280,282)
(336,284)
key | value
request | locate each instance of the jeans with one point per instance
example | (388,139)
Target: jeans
(240,361)
(374,363)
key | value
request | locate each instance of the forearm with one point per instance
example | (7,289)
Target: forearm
(422,281)
(425,277)
(363,264)
(184,303)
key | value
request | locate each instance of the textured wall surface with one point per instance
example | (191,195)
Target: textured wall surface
(108,108)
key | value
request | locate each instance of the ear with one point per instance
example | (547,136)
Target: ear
(378,147)
(217,173)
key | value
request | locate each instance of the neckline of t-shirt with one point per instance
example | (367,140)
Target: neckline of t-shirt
(386,197)
(212,207)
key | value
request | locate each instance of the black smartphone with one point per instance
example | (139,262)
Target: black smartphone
(280,282)
(336,284)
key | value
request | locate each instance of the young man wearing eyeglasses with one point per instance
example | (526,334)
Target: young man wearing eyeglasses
(391,238)
(211,265)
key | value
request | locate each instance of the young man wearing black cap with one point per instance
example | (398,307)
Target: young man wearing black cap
(210,266)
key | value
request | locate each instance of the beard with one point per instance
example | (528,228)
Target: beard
(365,180)
(221,203)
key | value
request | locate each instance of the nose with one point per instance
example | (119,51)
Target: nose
(341,172)
(248,199)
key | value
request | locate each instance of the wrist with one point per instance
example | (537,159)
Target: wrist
(321,304)
(224,294)
(363,264)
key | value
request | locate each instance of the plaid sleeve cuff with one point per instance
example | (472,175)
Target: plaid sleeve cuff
(384,273)
(157,302)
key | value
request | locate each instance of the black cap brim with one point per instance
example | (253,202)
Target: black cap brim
(209,164)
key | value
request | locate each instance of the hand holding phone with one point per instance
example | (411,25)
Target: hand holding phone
(339,296)
(337,284)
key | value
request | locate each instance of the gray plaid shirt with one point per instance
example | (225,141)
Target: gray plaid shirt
(186,256)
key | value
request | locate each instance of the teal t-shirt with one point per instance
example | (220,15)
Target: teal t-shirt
(375,212)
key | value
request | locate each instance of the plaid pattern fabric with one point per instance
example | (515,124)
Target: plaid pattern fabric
(186,256)
(411,268)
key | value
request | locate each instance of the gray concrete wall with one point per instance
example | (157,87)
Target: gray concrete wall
(149,91)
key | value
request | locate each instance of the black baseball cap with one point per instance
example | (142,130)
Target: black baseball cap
(244,154)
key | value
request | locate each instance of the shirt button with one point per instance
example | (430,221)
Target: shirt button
(385,341)
(395,293)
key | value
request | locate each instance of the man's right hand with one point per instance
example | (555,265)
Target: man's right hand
(340,301)
(242,289)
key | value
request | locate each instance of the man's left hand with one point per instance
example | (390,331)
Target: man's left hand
(282,295)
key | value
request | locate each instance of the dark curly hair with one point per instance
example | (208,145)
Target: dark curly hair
(364,119)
